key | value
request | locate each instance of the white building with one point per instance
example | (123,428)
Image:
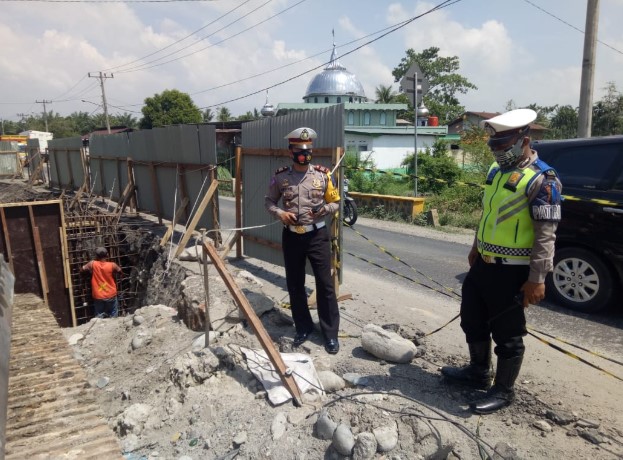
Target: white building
(43,137)
(371,129)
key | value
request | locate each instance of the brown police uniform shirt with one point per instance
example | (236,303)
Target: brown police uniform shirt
(299,193)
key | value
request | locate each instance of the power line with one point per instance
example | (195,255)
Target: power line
(570,25)
(441,5)
(105,1)
(101,78)
(142,66)
(181,39)
(45,112)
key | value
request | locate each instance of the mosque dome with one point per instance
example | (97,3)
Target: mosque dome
(335,81)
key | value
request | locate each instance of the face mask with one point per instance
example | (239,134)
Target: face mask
(302,157)
(507,159)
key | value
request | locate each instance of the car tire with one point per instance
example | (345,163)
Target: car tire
(580,281)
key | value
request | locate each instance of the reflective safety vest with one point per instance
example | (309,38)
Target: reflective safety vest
(506,229)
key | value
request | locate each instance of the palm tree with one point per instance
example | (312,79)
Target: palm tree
(208,115)
(385,94)
(223,114)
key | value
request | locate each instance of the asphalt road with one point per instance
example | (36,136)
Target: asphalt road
(437,265)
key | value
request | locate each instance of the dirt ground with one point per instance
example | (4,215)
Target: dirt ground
(168,398)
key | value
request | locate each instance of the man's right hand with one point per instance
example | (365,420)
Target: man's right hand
(472,256)
(288,218)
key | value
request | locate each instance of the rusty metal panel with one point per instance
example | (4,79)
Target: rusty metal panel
(258,169)
(47,216)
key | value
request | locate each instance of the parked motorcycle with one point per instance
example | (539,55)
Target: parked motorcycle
(350,207)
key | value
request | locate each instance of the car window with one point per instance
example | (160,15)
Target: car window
(584,166)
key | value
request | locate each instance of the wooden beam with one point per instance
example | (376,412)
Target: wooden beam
(171,228)
(218,239)
(133,199)
(238,195)
(196,217)
(229,245)
(256,325)
(43,278)
(183,188)
(156,192)
(7,240)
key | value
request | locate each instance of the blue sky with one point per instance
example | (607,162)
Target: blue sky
(510,49)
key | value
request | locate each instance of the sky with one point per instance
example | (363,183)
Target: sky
(229,52)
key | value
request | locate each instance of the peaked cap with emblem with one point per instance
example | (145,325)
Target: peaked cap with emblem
(508,123)
(301,138)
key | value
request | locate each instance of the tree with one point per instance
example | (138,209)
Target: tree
(436,163)
(223,114)
(563,123)
(125,119)
(445,83)
(246,117)
(608,113)
(208,115)
(385,94)
(171,107)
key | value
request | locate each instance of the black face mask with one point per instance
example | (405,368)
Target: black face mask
(302,157)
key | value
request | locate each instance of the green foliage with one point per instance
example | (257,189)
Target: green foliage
(608,113)
(171,107)
(458,206)
(563,123)
(445,83)
(434,163)
(223,114)
(385,94)
(208,115)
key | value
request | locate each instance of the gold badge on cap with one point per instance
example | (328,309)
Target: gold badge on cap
(316,183)
(304,135)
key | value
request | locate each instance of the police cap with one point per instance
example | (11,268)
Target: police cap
(301,138)
(509,123)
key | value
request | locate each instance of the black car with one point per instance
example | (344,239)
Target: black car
(588,264)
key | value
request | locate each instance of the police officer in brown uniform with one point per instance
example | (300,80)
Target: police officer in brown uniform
(308,195)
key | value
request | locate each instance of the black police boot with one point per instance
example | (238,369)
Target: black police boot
(501,393)
(477,373)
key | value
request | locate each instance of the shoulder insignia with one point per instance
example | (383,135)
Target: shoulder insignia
(282,169)
(321,168)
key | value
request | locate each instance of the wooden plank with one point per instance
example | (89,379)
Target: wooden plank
(156,192)
(256,324)
(218,239)
(171,228)
(195,220)
(39,252)
(133,200)
(230,244)
(7,240)
(183,187)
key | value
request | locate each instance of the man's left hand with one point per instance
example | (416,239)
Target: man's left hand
(533,293)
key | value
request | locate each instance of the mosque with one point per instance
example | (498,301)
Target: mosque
(371,130)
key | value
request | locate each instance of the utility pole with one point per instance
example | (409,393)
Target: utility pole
(585,115)
(101,77)
(45,113)
(415,88)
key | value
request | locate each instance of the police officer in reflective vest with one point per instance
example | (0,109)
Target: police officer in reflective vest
(308,195)
(512,253)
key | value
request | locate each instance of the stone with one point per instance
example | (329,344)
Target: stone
(386,437)
(137,320)
(503,451)
(75,338)
(343,440)
(592,435)
(129,443)
(560,417)
(278,427)
(133,419)
(240,439)
(325,427)
(102,382)
(200,341)
(355,379)
(365,446)
(331,382)
(543,426)
(387,345)
(585,423)
(298,416)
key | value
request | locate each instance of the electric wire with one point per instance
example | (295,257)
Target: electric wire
(570,25)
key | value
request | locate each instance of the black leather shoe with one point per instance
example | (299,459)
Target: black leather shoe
(300,338)
(332,346)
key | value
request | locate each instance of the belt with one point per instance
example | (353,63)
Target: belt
(504,260)
(300,229)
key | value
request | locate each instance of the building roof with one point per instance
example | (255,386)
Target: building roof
(347,106)
(335,80)
(397,130)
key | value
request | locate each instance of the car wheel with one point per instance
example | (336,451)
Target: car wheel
(580,281)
